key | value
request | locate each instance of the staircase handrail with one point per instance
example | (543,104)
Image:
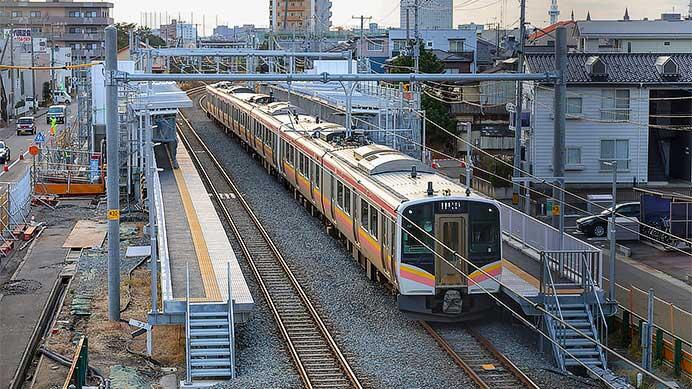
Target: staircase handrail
(592,285)
(546,268)
(188,364)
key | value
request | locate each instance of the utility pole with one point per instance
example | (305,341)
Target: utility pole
(613,236)
(559,124)
(518,105)
(113,174)
(33,76)
(361,41)
(12,75)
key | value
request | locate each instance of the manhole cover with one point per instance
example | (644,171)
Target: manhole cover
(15,287)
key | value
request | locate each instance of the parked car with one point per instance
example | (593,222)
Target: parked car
(26,125)
(58,112)
(597,225)
(4,153)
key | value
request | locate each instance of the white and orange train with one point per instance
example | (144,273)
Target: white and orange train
(396,214)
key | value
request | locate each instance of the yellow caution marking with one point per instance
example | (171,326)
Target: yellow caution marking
(488,366)
(211,288)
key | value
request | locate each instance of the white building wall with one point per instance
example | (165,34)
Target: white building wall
(587,133)
(431,14)
(437,39)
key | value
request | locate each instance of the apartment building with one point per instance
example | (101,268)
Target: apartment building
(432,14)
(64,23)
(300,15)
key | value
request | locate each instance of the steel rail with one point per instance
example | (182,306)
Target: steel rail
(484,354)
(303,349)
(329,77)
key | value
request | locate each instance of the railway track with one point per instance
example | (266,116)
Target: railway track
(481,361)
(316,355)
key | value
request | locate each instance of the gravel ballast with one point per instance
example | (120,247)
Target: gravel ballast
(384,346)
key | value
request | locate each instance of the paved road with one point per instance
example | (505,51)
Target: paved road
(19,144)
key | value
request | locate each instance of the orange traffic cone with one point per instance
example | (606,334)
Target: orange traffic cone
(5,167)
(21,157)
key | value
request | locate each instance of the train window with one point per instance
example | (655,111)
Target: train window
(301,166)
(347,200)
(340,194)
(364,218)
(373,221)
(318,176)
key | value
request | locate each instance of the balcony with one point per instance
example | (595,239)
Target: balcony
(79,37)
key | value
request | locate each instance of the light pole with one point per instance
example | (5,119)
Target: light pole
(611,227)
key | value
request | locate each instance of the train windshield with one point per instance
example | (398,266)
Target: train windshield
(417,235)
(473,231)
(485,231)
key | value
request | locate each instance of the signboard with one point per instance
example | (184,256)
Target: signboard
(94,168)
(22,35)
(113,214)
(40,138)
(33,150)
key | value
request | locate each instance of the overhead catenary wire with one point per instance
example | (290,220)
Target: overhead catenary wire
(504,305)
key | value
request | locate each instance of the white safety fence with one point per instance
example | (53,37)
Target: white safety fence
(17,206)
(538,236)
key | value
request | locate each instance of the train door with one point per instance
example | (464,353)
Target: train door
(450,231)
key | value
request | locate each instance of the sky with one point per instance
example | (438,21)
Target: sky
(386,12)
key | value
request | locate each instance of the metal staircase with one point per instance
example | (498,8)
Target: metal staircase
(576,349)
(574,300)
(210,342)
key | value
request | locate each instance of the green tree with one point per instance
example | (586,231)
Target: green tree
(435,110)
(143,32)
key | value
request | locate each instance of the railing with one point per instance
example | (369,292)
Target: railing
(601,323)
(570,267)
(547,287)
(188,348)
(231,321)
(18,201)
(162,240)
(541,237)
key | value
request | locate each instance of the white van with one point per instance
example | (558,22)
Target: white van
(61,97)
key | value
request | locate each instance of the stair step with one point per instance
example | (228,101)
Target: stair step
(209,362)
(579,323)
(208,322)
(206,352)
(585,361)
(582,353)
(210,373)
(209,342)
(209,314)
(577,342)
(209,332)
(572,314)
(572,333)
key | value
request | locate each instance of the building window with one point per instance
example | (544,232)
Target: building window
(429,44)
(456,45)
(574,105)
(16,14)
(75,14)
(90,14)
(35,14)
(615,105)
(75,30)
(666,43)
(398,45)
(615,150)
(573,157)
(375,45)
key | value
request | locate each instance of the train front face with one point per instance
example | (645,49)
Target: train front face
(433,280)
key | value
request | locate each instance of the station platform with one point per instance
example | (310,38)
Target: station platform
(192,239)
(521,276)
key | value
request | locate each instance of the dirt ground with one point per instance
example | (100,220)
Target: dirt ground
(110,343)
